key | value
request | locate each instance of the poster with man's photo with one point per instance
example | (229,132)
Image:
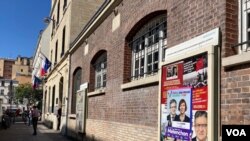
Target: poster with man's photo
(180,113)
(187,76)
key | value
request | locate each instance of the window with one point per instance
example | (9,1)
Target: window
(2,92)
(2,83)
(60,91)
(56,52)
(76,86)
(146,46)
(51,54)
(64,4)
(100,67)
(58,12)
(53,26)
(49,100)
(45,101)
(244,26)
(21,70)
(63,41)
(53,99)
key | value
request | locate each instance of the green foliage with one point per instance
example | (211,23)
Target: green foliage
(26,91)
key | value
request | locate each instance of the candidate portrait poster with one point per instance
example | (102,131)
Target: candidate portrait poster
(183,80)
(181,122)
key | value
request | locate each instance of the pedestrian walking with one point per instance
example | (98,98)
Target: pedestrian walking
(29,116)
(35,115)
(59,114)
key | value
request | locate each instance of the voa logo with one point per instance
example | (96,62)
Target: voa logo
(236,132)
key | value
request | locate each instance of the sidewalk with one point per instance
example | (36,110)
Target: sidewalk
(21,132)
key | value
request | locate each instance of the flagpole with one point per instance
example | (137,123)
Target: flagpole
(42,54)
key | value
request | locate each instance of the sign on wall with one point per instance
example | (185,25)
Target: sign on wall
(184,93)
(81,108)
(189,90)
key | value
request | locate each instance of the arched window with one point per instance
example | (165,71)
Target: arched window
(76,86)
(244,26)
(99,70)
(60,91)
(100,67)
(147,47)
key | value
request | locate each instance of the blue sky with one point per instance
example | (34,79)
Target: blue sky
(20,24)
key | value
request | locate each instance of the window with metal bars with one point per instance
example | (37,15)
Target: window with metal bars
(147,47)
(100,67)
(244,26)
(76,86)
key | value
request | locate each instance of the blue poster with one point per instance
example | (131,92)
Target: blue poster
(179,119)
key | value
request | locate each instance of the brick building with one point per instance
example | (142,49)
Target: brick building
(6,67)
(117,56)
(21,69)
(123,77)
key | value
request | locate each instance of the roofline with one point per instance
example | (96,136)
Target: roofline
(95,20)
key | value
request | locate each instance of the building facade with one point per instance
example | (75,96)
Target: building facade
(122,68)
(42,51)
(6,67)
(117,55)
(22,69)
(6,94)
(67,18)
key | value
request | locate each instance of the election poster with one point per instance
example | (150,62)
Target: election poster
(184,97)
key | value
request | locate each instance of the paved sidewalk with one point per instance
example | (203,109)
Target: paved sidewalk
(21,132)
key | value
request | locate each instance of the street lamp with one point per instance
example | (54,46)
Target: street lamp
(47,20)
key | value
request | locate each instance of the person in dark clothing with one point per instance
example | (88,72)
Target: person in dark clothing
(35,115)
(59,114)
(172,113)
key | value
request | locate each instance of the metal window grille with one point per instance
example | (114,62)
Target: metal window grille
(100,67)
(147,48)
(244,26)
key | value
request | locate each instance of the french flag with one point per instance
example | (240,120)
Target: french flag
(45,66)
(36,82)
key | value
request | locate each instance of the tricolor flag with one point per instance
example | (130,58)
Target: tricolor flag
(36,82)
(45,66)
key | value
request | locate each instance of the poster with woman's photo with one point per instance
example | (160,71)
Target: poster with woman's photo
(187,76)
(180,113)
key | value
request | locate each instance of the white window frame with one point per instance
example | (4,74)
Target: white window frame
(148,41)
(244,30)
(100,67)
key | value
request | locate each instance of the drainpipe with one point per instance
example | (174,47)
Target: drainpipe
(67,107)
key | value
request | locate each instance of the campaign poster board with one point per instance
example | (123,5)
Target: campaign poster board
(184,91)
(81,108)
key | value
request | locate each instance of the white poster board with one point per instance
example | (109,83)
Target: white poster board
(190,68)
(80,108)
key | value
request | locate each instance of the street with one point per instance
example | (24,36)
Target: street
(22,132)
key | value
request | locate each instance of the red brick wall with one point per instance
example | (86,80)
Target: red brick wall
(235,94)
(235,82)
(186,20)
(137,106)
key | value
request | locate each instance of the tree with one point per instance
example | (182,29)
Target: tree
(26,91)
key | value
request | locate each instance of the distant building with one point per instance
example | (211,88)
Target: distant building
(16,69)
(6,67)
(6,94)
(22,69)
(67,17)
